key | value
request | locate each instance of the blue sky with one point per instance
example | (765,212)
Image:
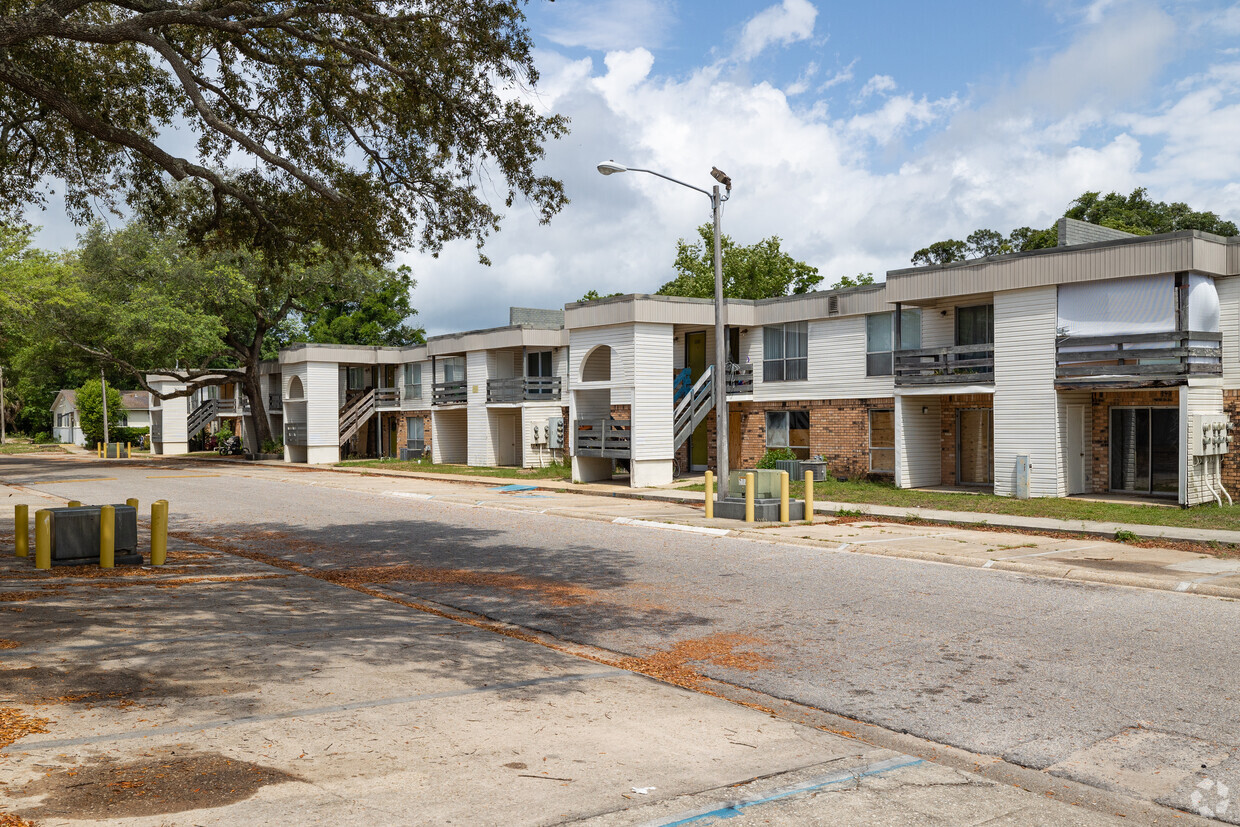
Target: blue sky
(857,132)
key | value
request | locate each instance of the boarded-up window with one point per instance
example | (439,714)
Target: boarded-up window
(883,442)
(788,429)
(975,450)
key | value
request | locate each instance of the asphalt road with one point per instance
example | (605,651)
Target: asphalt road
(1132,690)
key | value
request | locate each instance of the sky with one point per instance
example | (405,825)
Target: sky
(856,132)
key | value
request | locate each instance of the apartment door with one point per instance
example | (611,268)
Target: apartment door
(975,448)
(506,451)
(1145,450)
(695,360)
(1074,451)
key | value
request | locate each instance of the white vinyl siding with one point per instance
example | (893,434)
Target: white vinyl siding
(652,392)
(449,435)
(836,365)
(1229,323)
(322,409)
(481,445)
(1194,488)
(918,442)
(1026,417)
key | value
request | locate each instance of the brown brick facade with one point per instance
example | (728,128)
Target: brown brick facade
(839,429)
(1231,462)
(948,408)
(1101,403)
(402,427)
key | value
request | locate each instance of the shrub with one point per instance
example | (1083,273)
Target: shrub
(42,438)
(773,455)
(273,446)
(1125,536)
(130,435)
(223,433)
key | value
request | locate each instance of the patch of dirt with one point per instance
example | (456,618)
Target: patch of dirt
(14,597)
(163,782)
(16,724)
(6,643)
(719,649)
(553,592)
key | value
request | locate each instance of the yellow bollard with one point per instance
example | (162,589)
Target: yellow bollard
(107,537)
(128,454)
(100,450)
(749,486)
(42,539)
(710,495)
(809,497)
(75,503)
(21,529)
(132,502)
(159,532)
(783,496)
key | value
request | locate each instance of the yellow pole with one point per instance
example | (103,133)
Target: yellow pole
(783,496)
(159,532)
(107,537)
(42,539)
(21,529)
(809,497)
(710,495)
(749,485)
(128,452)
(75,503)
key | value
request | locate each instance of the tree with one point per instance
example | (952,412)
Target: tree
(860,280)
(361,127)
(90,409)
(941,252)
(151,304)
(379,317)
(759,271)
(593,296)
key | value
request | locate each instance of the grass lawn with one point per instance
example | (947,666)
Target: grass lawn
(865,492)
(30,448)
(551,472)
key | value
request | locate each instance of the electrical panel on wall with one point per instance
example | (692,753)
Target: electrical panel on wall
(1209,435)
(555,432)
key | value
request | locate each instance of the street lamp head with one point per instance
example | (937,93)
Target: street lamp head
(718,174)
(608,167)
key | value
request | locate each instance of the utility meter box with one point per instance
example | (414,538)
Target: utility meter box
(766,484)
(555,432)
(75,535)
(1208,435)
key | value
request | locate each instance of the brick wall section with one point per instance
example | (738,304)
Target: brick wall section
(1072,232)
(948,406)
(536,317)
(1101,403)
(1231,462)
(402,428)
(838,429)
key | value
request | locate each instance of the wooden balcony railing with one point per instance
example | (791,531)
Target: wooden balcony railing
(524,389)
(963,364)
(1137,360)
(450,393)
(275,402)
(608,438)
(740,378)
(387,398)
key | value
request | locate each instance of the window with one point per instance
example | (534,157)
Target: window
(413,382)
(785,352)
(415,434)
(880,339)
(356,379)
(453,369)
(788,429)
(538,364)
(975,325)
(883,442)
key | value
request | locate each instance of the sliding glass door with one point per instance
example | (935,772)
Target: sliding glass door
(1145,450)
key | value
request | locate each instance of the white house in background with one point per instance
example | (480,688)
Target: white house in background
(66,422)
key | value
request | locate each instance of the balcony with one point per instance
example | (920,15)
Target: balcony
(1147,360)
(450,393)
(960,365)
(295,433)
(387,398)
(607,438)
(411,393)
(275,402)
(524,389)
(740,378)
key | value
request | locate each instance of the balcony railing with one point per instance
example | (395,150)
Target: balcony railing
(295,433)
(450,393)
(960,365)
(387,398)
(740,378)
(524,389)
(275,402)
(608,438)
(1138,360)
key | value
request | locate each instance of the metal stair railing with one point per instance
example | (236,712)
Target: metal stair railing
(355,414)
(692,409)
(200,416)
(682,384)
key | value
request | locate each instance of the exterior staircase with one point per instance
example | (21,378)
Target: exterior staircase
(354,414)
(200,416)
(693,407)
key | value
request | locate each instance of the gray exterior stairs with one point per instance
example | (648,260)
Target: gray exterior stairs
(200,416)
(354,414)
(693,407)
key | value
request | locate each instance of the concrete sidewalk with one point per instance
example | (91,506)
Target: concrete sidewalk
(222,690)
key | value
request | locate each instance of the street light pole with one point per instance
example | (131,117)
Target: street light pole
(721,345)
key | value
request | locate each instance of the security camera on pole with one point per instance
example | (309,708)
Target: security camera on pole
(721,381)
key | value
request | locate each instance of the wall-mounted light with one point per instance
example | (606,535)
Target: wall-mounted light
(925,409)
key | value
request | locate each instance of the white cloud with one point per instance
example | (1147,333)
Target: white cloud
(789,22)
(878,85)
(604,25)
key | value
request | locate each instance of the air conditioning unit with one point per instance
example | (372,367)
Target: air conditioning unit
(75,536)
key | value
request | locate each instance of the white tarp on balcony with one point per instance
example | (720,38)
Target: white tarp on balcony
(1145,304)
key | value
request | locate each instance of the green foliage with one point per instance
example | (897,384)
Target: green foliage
(131,435)
(376,317)
(758,271)
(1134,213)
(90,410)
(273,446)
(42,438)
(860,280)
(774,455)
(594,295)
(225,432)
(359,127)
(1125,536)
